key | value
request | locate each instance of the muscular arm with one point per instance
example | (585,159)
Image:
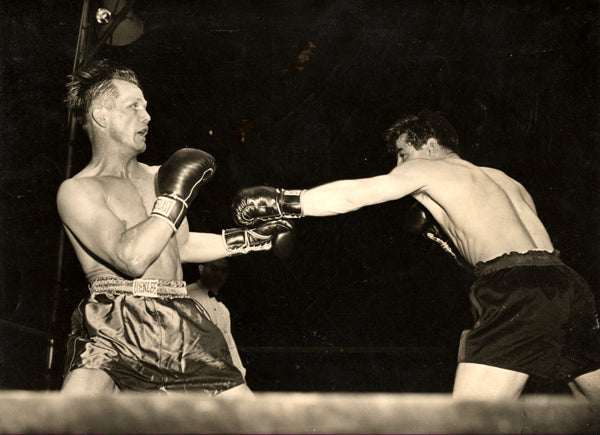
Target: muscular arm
(84,211)
(345,196)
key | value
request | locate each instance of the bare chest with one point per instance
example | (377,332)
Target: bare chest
(130,200)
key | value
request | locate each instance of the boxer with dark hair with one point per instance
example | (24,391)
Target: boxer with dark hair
(533,314)
(139,329)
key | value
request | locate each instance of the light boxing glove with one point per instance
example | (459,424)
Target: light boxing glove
(243,240)
(253,205)
(178,181)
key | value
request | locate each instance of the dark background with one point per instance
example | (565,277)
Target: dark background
(359,305)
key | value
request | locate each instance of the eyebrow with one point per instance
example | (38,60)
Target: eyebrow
(136,100)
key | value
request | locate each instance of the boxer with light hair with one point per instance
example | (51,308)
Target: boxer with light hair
(138,329)
(534,316)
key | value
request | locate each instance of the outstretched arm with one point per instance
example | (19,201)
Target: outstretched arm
(205,247)
(262,203)
(197,247)
(345,196)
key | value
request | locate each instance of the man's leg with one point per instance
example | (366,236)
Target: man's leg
(483,382)
(587,385)
(88,381)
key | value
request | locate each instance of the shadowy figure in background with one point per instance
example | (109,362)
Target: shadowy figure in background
(205,290)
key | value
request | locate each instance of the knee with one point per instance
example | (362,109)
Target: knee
(587,386)
(88,382)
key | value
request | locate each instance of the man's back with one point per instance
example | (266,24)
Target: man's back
(485,212)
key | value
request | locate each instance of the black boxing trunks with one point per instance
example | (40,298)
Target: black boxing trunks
(148,335)
(533,314)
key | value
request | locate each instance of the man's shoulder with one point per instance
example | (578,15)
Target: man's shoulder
(499,176)
(422,166)
(493,171)
(78,182)
(73,192)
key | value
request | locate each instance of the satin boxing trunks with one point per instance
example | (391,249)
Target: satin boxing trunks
(533,314)
(148,335)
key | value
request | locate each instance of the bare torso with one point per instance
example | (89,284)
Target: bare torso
(484,212)
(130,200)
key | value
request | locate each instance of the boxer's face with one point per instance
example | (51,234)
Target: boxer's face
(129,118)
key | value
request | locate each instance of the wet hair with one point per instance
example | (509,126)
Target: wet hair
(92,82)
(420,128)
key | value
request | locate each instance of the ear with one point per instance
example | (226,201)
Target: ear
(431,145)
(99,116)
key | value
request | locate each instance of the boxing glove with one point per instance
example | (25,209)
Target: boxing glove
(257,204)
(419,221)
(178,181)
(243,240)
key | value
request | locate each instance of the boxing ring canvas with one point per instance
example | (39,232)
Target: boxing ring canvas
(361,319)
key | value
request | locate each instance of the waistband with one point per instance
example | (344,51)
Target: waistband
(150,288)
(516,259)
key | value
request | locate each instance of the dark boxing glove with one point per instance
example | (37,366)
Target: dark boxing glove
(178,181)
(243,240)
(283,244)
(419,221)
(254,205)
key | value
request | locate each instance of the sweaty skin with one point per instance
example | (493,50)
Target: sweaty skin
(484,212)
